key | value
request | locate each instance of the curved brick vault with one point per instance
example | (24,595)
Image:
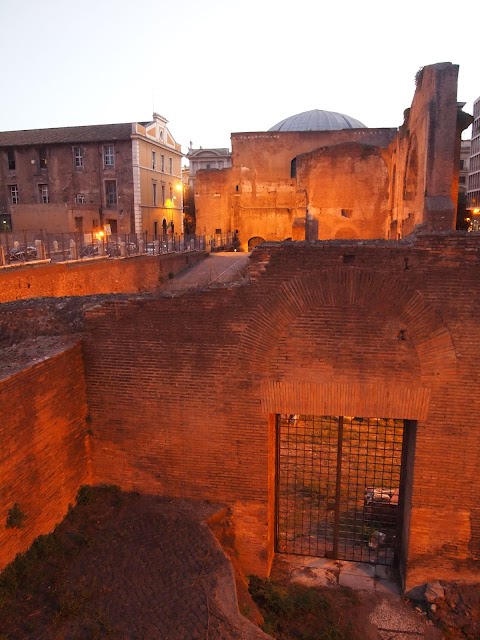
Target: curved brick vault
(402,315)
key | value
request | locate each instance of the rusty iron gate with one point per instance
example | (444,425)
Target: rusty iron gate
(338,487)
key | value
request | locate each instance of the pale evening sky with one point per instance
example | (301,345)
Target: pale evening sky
(213,67)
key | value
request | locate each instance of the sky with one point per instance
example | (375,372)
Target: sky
(213,67)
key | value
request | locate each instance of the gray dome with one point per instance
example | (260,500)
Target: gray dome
(317,120)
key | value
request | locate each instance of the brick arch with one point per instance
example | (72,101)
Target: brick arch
(417,322)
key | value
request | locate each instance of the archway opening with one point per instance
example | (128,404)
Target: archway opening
(341,487)
(254,242)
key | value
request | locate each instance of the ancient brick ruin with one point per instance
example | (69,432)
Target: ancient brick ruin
(349,183)
(185,395)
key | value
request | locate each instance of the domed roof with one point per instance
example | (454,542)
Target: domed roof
(317,120)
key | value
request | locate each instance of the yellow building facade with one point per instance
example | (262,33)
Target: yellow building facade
(157,179)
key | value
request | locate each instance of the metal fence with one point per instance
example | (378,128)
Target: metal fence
(37,244)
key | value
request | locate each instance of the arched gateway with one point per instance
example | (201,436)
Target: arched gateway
(345,371)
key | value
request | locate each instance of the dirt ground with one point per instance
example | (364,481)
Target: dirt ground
(124,566)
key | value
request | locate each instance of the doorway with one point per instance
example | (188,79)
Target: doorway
(340,487)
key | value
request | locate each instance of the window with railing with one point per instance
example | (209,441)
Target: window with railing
(78,157)
(111,192)
(14,199)
(44,193)
(108,155)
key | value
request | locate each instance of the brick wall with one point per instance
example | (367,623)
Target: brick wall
(389,180)
(44,452)
(182,390)
(130,275)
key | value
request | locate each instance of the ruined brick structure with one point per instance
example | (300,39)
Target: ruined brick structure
(350,183)
(185,405)
(182,392)
(180,395)
(44,457)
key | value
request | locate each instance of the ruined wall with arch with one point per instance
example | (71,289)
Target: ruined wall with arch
(280,178)
(183,402)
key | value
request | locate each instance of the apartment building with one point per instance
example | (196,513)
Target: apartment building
(126,176)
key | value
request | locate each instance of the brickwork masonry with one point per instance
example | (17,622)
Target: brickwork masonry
(44,454)
(182,390)
(138,274)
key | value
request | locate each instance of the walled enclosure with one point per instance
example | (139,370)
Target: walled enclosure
(184,404)
(90,277)
(352,183)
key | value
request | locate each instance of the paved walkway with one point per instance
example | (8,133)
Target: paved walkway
(221,267)
(393,618)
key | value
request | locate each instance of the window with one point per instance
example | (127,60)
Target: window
(462,165)
(13,193)
(170,166)
(43,192)
(347,213)
(162,163)
(80,198)
(293,168)
(11,159)
(108,155)
(154,185)
(462,180)
(110,192)
(171,193)
(78,157)
(42,156)
(79,225)
(154,160)
(163,195)
(208,166)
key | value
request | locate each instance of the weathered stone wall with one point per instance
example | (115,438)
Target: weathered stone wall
(214,199)
(90,277)
(347,190)
(426,154)
(183,391)
(414,182)
(44,456)
(259,196)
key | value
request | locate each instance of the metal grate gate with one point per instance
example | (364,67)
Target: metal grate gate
(338,482)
